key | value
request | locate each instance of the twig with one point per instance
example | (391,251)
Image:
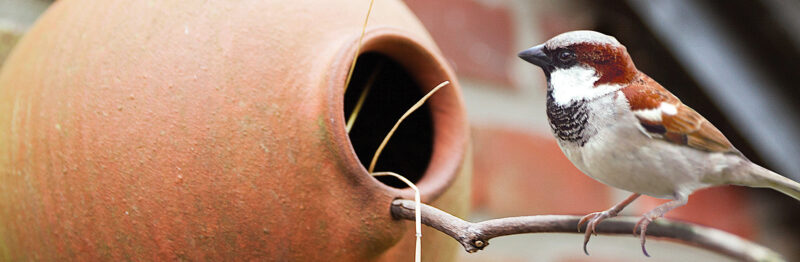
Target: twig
(475,236)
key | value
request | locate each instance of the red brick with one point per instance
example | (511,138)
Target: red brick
(726,208)
(520,173)
(477,39)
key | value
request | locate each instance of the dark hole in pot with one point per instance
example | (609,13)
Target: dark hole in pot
(392,93)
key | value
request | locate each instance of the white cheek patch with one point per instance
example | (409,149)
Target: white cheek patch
(577,83)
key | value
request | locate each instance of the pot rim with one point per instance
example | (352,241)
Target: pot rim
(424,63)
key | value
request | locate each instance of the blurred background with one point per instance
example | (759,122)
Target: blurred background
(732,61)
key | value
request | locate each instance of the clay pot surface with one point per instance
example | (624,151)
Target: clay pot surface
(210,130)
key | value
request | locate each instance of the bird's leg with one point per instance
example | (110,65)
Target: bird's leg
(596,217)
(653,215)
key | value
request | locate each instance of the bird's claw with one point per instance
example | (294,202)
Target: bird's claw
(642,226)
(593,219)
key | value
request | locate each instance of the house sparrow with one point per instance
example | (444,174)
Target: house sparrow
(622,128)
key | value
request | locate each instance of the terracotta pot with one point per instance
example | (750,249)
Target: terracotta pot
(212,130)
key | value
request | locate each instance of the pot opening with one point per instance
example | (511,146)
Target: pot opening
(392,92)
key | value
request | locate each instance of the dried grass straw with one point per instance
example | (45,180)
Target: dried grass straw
(410,110)
(417,215)
(358,47)
(351,121)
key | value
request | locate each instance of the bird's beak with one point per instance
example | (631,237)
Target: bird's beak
(535,55)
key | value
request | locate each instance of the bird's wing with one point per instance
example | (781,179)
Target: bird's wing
(662,115)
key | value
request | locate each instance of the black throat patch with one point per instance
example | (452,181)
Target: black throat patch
(568,121)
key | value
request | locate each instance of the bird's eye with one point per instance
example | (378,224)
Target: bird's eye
(566,56)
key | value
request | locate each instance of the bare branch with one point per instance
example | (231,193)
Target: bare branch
(475,236)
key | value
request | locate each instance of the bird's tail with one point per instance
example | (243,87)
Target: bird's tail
(757,176)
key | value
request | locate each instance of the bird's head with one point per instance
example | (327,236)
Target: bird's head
(582,59)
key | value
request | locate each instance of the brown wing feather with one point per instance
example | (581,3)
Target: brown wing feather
(698,132)
(687,127)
